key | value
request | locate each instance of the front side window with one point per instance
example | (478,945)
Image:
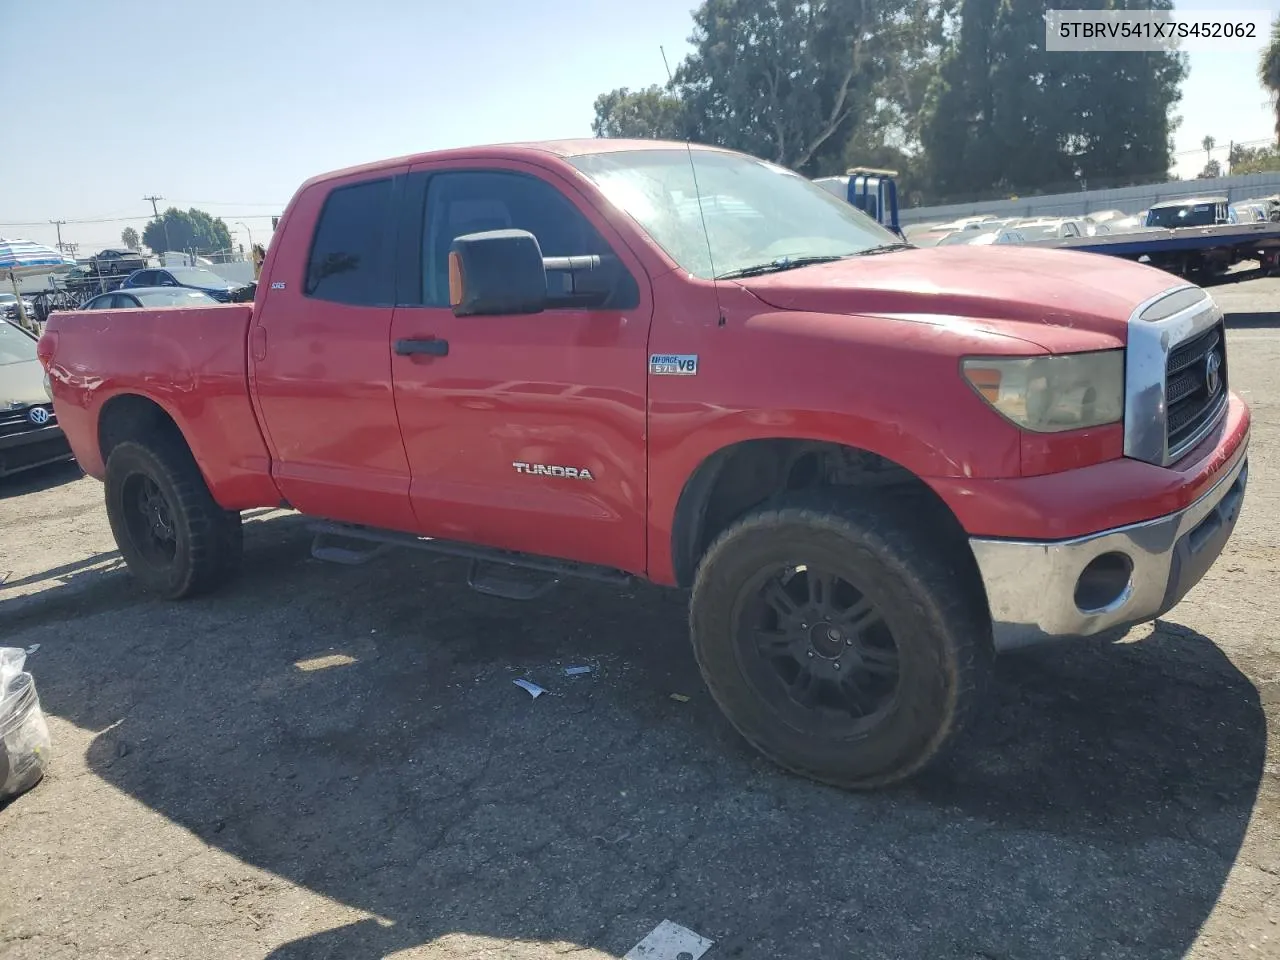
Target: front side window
(476,201)
(754,212)
(348,260)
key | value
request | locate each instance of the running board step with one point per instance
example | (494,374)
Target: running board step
(485,582)
(322,549)
(503,580)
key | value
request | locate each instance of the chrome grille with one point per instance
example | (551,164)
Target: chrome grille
(1194,399)
(14,420)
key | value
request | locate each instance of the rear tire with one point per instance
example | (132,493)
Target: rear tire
(839,640)
(173,536)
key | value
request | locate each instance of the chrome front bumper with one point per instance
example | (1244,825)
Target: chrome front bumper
(1032,585)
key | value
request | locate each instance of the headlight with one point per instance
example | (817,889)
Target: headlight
(48,385)
(1055,393)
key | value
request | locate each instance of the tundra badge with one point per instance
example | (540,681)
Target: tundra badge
(544,470)
(673,364)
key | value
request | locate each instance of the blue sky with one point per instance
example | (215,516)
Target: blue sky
(230,105)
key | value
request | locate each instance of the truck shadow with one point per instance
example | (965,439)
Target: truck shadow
(40,478)
(356,732)
(1252,321)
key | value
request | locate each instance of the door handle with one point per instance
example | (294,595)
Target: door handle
(422,345)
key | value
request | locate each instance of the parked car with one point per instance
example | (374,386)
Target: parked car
(194,278)
(117,262)
(29,432)
(9,307)
(872,465)
(134,297)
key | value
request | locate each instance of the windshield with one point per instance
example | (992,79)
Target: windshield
(197,277)
(755,212)
(15,346)
(1199,215)
(174,298)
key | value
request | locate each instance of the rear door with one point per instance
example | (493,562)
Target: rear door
(320,359)
(530,433)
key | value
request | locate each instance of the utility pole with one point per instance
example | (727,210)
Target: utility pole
(58,224)
(164,224)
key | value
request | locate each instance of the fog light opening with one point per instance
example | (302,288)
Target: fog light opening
(1104,583)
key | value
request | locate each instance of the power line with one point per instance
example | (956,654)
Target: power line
(164,224)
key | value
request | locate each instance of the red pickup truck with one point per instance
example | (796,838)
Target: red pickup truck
(874,466)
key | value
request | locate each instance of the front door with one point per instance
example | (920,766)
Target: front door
(319,350)
(529,433)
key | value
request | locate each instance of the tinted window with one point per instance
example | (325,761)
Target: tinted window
(462,203)
(102,302)
(144,278)
(348,263)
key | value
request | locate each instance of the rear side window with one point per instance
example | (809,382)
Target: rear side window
(349,262)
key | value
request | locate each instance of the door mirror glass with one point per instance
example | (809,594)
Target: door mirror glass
(496,272)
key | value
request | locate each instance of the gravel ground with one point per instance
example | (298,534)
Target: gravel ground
(333,762)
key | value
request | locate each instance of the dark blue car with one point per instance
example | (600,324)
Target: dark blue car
(195,278)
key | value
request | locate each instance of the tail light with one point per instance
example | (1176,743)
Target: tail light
(46,347)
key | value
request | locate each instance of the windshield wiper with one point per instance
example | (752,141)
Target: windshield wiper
(777,266)
(884,248)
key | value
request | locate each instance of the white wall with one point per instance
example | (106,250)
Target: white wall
(1128,199)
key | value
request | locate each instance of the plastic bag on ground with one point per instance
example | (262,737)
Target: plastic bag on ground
(25,747)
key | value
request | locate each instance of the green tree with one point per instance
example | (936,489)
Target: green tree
(1207,145)
(1254,160)
(654,113)
(816,86)
(787,80)
(1211,169)
(1006,117)
(129,237)
(190,230)
(1269,70)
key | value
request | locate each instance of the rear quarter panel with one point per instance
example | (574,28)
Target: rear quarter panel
(190,361)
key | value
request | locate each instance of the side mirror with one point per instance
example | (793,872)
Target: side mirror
(497,272)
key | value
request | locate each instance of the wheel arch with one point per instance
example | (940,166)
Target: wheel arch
(741,476)
(133,416)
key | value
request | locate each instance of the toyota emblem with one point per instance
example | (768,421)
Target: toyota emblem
(38,415)
(1213,372)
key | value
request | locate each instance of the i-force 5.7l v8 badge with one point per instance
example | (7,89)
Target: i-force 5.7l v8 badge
(548,470)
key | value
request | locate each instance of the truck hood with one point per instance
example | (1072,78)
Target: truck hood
(1039,295)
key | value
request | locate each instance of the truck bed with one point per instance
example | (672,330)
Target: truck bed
(190,362)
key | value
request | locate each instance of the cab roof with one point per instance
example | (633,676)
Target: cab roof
(520,150)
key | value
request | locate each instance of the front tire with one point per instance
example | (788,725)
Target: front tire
(839,641)
(173,536)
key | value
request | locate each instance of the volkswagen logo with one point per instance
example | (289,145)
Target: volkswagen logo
(38,415)
(1213,372)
